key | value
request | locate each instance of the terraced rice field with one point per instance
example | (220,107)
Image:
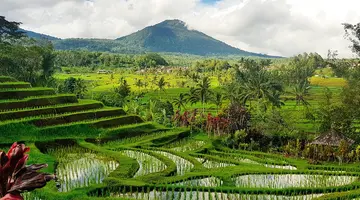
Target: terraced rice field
(103,153)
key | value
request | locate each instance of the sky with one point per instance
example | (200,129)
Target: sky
(276,27)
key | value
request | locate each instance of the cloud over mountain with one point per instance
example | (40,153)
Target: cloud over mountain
(280,27)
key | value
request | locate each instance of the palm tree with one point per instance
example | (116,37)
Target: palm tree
(161,84)
(181,101)
(203,91)
(257,85)
(192,96)
(218,100)
(300,91)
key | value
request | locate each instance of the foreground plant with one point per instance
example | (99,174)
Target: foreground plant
(16,177)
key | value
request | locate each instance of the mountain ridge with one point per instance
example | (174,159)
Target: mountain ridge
(171,36)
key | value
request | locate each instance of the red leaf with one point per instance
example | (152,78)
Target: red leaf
(12,197)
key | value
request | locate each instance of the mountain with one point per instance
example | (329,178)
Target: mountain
(35,35)
(172,36)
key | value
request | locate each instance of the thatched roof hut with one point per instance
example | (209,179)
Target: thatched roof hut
(331,138)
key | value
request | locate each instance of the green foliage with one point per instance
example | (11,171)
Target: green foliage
(340,67)
(150,60)
(211,65)
(161,84)
(352,32)
(254,82)
(24,59)
(302,67)
(180,102)
(74,86)
(335,116)
(123,90)
(9,30)
(202,92)
(31,63)
(109,99)
(301,91)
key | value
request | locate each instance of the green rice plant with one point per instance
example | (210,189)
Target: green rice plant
(25,92)
(13,85)
(132,140)
(291,180)
(117,121)
(37,101)
(51,120)
(201,182)
(57,109)
(149,139)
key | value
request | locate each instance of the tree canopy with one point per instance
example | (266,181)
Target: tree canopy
(352,32)
(9,30)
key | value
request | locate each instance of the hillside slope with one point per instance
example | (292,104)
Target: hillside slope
(171,36)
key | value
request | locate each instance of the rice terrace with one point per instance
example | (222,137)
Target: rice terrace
(169,113)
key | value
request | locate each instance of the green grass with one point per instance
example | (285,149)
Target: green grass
(8,85)
(23,93)
(50,110)
(39,101)
(69,117)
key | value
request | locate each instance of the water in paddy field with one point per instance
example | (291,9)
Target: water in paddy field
(148,164)
(87,169)
(213,164)
(191,146)
(201,195)
(248,161)
(291,180)
(204,182)
(182,165)
(288,167)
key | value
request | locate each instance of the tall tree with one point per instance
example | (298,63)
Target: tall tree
(256,83)
(352,32)
(203,91)
(218,100)
(9,30)
(25,60)
(181,101)
(301,91)
(161,84)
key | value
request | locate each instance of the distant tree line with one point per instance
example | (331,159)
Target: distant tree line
(23,58)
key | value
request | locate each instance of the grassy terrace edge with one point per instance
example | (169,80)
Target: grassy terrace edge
(55,109)
(37,101)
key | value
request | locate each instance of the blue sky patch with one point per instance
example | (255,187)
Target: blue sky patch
(210,1)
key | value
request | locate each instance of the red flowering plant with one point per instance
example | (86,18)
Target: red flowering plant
(16,177)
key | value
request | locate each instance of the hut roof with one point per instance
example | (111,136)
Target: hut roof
(331,138)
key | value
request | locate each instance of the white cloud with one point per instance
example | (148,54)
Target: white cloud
(281,27)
